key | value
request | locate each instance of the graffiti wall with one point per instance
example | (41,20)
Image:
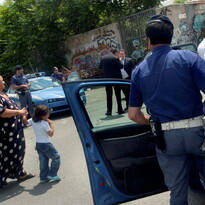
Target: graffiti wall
(189,22)
(84,51)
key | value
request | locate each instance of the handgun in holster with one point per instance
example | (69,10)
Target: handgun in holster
(158,134)
(21,92)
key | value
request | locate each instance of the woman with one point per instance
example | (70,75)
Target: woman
(12,142)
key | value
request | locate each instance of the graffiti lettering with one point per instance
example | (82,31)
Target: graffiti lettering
(108,38)
(86,57)
(106,33)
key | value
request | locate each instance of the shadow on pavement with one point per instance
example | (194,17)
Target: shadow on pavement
(112,117)
(11,190)
(60,115)
(40,189)
(14,188)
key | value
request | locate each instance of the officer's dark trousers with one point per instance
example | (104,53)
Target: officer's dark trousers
(176,161)
(117,90)
(26,101)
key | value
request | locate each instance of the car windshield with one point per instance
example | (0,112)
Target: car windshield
(43,83)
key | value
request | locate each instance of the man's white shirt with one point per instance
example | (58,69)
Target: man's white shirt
(123,72)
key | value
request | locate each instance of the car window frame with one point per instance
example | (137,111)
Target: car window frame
(109,82)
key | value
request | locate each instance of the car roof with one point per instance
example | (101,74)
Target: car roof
(35,75)
(36,78)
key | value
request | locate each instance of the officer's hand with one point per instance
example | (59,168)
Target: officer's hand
(25,87)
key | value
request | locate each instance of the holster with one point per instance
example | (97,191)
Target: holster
(158,134)
(21,92)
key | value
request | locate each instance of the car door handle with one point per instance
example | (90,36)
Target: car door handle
(97,161)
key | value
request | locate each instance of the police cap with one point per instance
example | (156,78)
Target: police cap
(159,18)
(19,67)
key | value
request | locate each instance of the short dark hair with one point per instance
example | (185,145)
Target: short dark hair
(19,67)
(39,112)
(113,51)
(159,30)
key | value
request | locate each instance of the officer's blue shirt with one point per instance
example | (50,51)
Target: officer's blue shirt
(169,82)
(19,80)
(58,76)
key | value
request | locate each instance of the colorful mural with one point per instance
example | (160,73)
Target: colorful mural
(86,50)
(199,26)
(87,62)
(190,31)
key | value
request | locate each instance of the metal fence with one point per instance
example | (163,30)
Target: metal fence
(132,29)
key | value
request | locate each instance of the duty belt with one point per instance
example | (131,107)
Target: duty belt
(21,92)
(186,123)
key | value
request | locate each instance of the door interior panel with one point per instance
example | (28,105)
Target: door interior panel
(129,129)
(128,148)
(129,153)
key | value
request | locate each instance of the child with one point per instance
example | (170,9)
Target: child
(43,128)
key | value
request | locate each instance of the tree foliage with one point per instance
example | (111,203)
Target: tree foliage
(32,32)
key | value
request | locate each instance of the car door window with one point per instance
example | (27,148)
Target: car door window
(96,106)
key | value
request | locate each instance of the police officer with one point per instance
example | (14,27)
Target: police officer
(21,84)
(169,82)
(57,75)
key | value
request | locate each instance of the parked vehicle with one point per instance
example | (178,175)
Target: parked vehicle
(44,90)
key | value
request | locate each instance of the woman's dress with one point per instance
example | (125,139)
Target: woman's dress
(12,143)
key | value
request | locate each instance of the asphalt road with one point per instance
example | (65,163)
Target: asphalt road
(74,189)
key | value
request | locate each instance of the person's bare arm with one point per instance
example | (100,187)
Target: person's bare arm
(11,113)
(51,131)
(135,114)
(16,87)
(28,85)
(25,120)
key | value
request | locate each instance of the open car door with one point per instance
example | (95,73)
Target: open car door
(120,154)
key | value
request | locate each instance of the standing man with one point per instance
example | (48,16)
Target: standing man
(20,83)
(126,71)
(57,75)
(128,64)
(169,82)
(111,66)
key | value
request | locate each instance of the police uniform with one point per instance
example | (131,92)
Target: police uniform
(24,95)
(57,76)
(169,82)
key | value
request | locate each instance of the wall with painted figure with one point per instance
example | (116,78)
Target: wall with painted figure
(84,51)
(189,22)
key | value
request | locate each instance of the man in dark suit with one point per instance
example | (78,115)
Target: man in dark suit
(126,71)
(111,66)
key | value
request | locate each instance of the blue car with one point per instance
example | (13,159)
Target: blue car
(45,90)
(120,154)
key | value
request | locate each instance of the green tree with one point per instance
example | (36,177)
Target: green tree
(32,32)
